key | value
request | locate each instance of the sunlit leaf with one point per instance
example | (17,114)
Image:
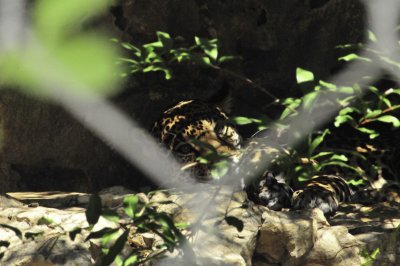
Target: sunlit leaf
(373,113)
(210,47)
(356,182)
(115,249)
(291,107)
(242,120)
(351,57)
(327,85)
(372,133)
(371,36)
(339,157)
(303,75)
(345,90)
(309,99)
(45,221)
(165,39)
(118,261)
(389,119)
(321,154)
(130,205)
(340,119)
(202,60)
(131,260)
(317,141)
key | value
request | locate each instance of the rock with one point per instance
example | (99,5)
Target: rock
(375,227)
(304,238)
(232,231)
(334,246)
(228,231)
(42,237)
(286,234)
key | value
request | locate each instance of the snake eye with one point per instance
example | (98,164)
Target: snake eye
(185,148)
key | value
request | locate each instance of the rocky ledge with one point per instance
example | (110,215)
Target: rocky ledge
(37,229)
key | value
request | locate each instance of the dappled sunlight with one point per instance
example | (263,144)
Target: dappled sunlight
(52,66)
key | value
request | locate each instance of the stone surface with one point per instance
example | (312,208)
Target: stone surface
(304,238)
(216,241)
(376,227)
(257,237)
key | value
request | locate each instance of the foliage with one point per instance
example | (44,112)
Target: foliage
(138,217)
(160,55)
(59,55)
(362,113)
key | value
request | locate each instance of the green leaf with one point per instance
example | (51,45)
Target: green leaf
(16,230)
(303,75)
(389,119)
(341,164)
(291,107)
(309,99)
(102,232)
(390,91)
(136,51)
(94,208)
(242,120)
(130,205)
(372,133)
(327,85)
(55,20)
(118,261)
(352,56)
(45,221)
(150,47)
(345,90)
(321,154)
(371,36)
(339,157)
(233,221)
(202,60)
(115,249)
(131,260)
(347,110)
(210,47)
(373,113)
(165,39)
(386,101)
(340,119)
(356,182)
(226,58)
(220,169)
(317,141)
